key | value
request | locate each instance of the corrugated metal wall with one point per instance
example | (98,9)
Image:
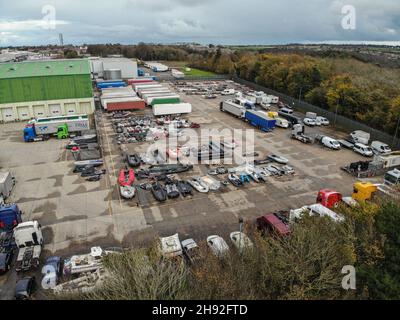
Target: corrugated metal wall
(45,88)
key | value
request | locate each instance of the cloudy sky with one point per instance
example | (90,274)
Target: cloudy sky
(30,22)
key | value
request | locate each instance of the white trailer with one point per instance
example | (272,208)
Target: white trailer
(138,87)
(389,161)
(170,109)
(149,100)
(7,183)
(29,240)
(233,108)
(145,94)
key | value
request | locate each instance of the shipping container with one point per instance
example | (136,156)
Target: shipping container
(127,105)
(159,94)
(106,84)
(149,100)
(140,81)
(170,109)
(106,102)
(145,94)
(137,86)
(165,100)
(147,87)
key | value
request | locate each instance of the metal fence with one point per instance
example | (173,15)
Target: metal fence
(195,78)
(338,120)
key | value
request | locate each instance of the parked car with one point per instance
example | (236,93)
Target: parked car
(309,122)
(54,266)
(331,143)
(6,258)
(271,224)
(364,150)
(191,250)
(288,170)
(241,241)
(25,288)
(278,159)
(324,121)
(218,246)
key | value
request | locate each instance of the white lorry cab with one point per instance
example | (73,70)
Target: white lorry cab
(380,148)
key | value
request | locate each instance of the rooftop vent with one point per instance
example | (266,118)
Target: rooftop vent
(48,67)
(11,69)
(71,65)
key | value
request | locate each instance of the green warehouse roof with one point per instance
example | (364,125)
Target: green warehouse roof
(45,80)
(44,68)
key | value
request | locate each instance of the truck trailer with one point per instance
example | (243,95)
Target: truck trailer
(233,108)
(43,128)
(260,120)
(7,183)
(149,100)
(170,109)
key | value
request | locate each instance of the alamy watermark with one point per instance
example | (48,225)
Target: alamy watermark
(349,21)
(349,280)
(49,19)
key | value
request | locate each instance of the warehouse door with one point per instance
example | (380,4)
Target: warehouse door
(70,108)
(86,108)
(55,109)
(7,114)
(23,113)
(39,111)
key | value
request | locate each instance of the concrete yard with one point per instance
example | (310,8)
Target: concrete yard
(76,214)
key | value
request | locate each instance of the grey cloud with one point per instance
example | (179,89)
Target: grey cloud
(206,21)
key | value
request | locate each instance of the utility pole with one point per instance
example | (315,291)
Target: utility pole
(336,112)
(395,134)
(301,89)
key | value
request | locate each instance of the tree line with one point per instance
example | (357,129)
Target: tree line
(308,264)
(356,90)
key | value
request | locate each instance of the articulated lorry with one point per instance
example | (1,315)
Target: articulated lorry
(298,133)
(43,128)
(29,240)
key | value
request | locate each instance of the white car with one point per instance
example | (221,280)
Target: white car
(309,122)
(241,241)
(324,121)
(364,150)
(218,246)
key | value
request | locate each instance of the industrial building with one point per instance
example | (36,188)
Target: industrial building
(45,88)
(113,68)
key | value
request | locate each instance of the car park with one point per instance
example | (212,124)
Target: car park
(218,246)
(364,150)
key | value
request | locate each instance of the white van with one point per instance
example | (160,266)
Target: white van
(282,123)
(7,182)
(331,143)
(314,210)
(362,149)
(380,147)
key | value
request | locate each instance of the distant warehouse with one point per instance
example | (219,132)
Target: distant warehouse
(45,88)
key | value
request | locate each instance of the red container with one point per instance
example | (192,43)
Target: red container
(128,105)
(137,81)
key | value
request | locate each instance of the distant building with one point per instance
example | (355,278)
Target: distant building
(128,67)
(45,88)
(156,66)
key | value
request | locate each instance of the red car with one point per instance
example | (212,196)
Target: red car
(270,223)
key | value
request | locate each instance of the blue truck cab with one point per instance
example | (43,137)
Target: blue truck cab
(140,73)
(29,133)
(10,216)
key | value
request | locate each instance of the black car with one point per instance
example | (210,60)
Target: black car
(25,288)
(6,258)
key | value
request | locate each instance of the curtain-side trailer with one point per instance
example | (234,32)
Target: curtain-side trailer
(233,108)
